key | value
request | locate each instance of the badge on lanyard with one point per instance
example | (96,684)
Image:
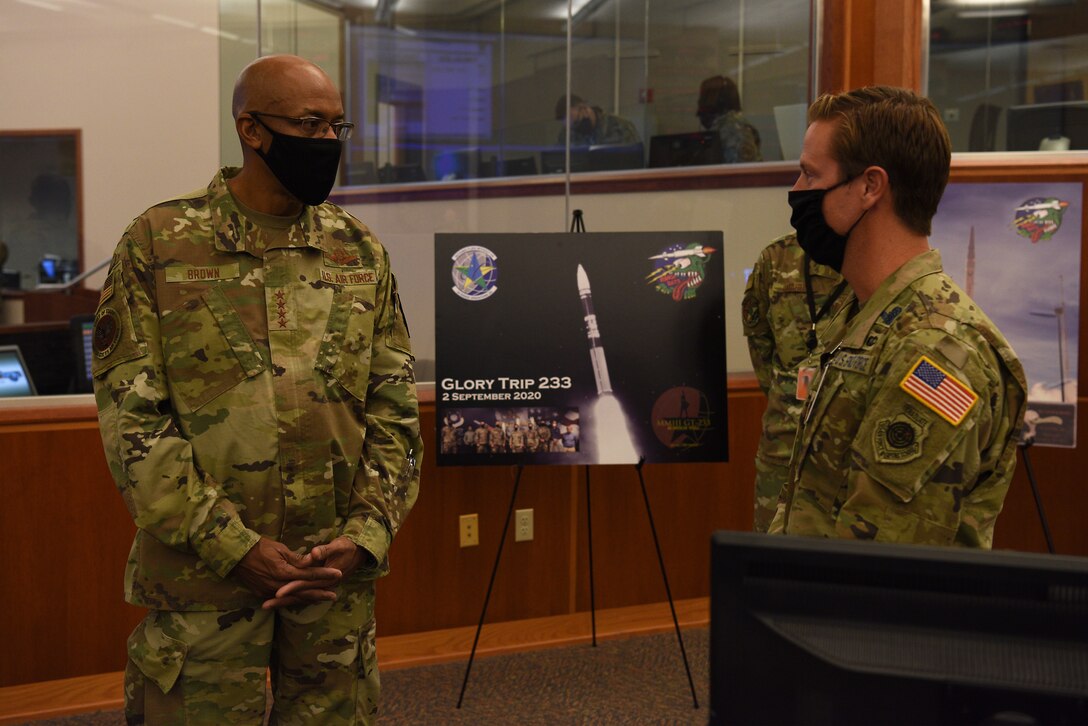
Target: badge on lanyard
(805,376)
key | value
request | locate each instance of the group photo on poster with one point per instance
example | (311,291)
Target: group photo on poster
(580,348)
(1015,250)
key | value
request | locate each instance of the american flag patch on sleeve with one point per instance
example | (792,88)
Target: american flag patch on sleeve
(939,390)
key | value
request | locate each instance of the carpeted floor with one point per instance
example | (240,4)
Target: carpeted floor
(630,681)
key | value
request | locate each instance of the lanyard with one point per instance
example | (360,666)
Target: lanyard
(813,315)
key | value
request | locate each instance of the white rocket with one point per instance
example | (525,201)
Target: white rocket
(596,349)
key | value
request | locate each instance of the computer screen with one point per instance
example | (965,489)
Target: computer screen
(814,631)
(14,376)
(1028,126)
(690,149)
(82,328)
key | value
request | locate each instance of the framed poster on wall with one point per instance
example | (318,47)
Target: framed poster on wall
(1015,249)
(582,348)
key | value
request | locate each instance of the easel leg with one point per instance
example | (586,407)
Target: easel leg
(1038,500)
(592,599)
(490,584)
(665,579)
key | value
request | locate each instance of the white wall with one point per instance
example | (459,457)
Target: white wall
(140,78)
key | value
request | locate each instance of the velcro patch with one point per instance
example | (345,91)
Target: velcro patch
(938,390)
(107,332)
(355,277)
(857,362)
(750,312)
(898,439)
(201,273)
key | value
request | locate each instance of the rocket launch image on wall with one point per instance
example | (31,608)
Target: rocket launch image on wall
(612,433)
(522,376)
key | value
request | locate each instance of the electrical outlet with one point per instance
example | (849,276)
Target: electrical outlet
(523,525)
(470,530)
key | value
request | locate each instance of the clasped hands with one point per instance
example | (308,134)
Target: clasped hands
(272,571)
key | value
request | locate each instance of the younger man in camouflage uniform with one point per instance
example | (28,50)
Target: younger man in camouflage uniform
(788,303)
(911,433)
(257,403)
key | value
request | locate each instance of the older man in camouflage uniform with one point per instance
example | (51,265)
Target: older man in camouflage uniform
(911,433)
(789,302)
(257,403)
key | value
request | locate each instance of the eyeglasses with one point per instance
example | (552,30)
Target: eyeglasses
(312,125)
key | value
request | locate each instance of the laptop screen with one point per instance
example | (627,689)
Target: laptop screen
(14,376)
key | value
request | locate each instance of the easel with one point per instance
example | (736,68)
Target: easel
(578,225)
(592,598)
(1025,445)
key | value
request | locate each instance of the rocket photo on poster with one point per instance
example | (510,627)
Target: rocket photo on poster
(580,348)
(1015,247)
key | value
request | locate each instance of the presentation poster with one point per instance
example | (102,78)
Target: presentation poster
(581,348)
(1015,249)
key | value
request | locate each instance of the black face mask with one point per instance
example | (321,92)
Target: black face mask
(824,245)
(305,167)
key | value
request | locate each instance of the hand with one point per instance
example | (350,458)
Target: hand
(270,565)
(341,554)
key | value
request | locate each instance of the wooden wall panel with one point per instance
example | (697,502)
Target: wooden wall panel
(866,42)
(66,536)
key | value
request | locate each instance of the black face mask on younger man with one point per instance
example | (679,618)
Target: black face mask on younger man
(824,245)
(305,167)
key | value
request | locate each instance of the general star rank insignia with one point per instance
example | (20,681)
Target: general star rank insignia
(107,332)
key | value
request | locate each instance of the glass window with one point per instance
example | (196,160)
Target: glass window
(446,91)
(1011,76)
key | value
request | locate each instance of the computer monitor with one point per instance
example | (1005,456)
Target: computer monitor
(614,157)
(814,631)
(82,330)
(15,377)
(691,149)
(493,166)
(49,269)
(1026,127)
(553,161)
(602,157)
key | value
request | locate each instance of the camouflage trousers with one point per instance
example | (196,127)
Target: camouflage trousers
(212,667)
(770,479)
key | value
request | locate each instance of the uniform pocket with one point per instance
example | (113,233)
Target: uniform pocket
(345,350)
(158,656)
(207,349)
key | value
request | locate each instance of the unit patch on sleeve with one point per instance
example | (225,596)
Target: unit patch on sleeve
(938,390)
(898,439)
(107,332)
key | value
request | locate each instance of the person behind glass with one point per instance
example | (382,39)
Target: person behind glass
(592,125)
(257,405)
(910,433)
(788,307)
(719,110)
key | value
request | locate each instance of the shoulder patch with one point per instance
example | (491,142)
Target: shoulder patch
(107,332)
(938,390)
(898,439)
(750,312)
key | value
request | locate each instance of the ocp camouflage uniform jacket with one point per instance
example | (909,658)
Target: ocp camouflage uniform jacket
(777,323)
(251,382)
(884,455)
(610,130)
